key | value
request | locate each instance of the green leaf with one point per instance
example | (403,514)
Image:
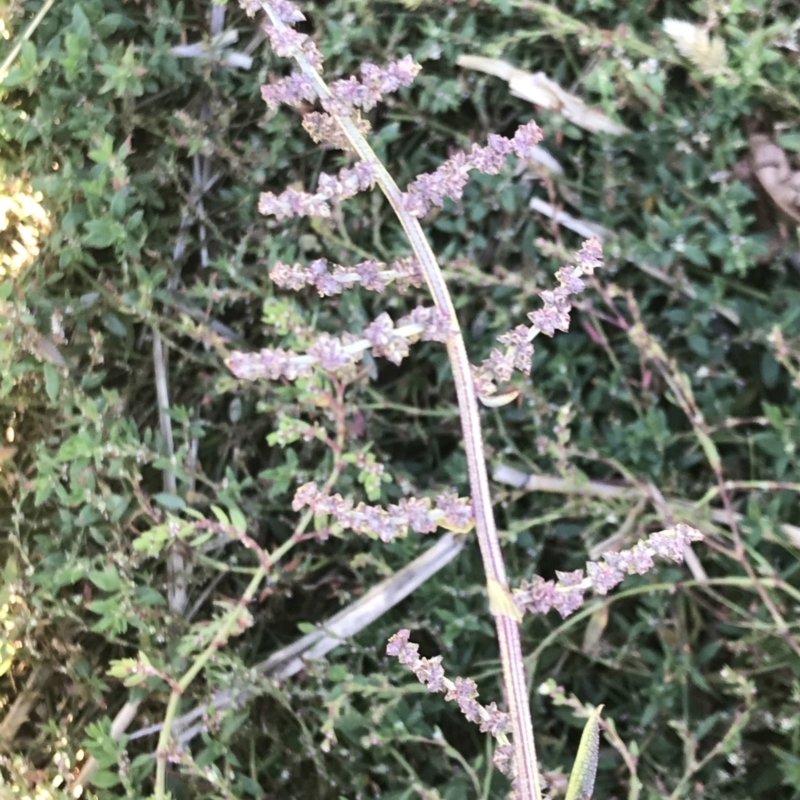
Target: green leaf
(789,140)
(789,764)
(148,596)
(151,541)
(581,780)
(306,627)
(238,519)
(102,233)
(696,255)
(117,505)
(774,415)
(81,444)
(51,381)
(28,58)
(103,153)
(110,23)
(105,779)
(115,325)
(80,22)
(170,501)
(221,516)
(108,580)
(107,606)
(122,667)
(710,449)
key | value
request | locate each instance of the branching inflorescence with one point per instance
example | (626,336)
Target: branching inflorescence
(337,120)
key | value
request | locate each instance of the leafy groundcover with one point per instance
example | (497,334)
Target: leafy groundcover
(143,487)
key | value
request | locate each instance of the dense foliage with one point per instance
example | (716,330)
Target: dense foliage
(132,173)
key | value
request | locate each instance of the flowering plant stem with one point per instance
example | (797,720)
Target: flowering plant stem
(506,620)
(227,627)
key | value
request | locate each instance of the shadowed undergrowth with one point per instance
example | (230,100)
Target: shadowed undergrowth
(675,388)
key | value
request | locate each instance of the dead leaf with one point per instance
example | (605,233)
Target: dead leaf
(593,634)
(775,174)
(583,228)
(537,88)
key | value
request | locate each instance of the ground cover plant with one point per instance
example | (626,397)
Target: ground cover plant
(672,398)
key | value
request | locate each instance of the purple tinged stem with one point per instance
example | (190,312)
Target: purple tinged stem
(528,781)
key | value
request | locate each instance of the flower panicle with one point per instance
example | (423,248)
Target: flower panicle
(331,189)
(419,514)
(339,355)
(464,691)
(557,306)
(425,192)
(518,350)
(284,10)
(566,594)
(448,180)
(351,93)
(346,97)
(331,280)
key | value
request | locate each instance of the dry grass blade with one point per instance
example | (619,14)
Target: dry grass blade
(581,227)
(548,483)
(348,622)
(537,88)
(17,714)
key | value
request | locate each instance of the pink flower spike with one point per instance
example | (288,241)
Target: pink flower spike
(286,12)
(526,138)
(590,256)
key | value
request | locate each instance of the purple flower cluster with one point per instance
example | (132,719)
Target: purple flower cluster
(449,180)
(328,281)
(348,94)
(293,44)
(330,189)
(283,10)
(326,131)
(500,365)
(555,314)
(566,594)
(419,514)
(293,90)
(463,690)
(284,39)
(339,354)
(518,352)
(344,98)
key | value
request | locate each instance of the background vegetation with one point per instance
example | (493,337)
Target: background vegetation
(131,176)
